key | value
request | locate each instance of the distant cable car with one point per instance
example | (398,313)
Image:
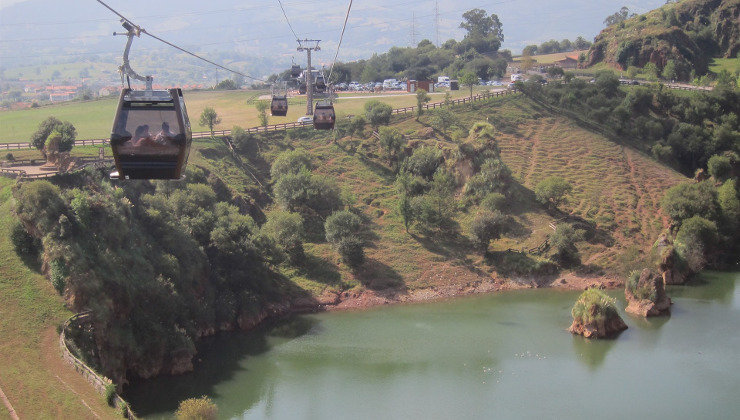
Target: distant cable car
(324,116)
(295,71)
(279,106)
(151,135)
(320,84)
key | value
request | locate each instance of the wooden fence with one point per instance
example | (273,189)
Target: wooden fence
(278,127)
(99,382)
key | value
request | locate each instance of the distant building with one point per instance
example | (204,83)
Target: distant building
(108,91)
(569,62)
(414,85)
(62,96)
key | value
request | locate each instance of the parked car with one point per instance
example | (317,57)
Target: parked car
(305,119)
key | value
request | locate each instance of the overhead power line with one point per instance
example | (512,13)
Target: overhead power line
(287,20)
(346,17)
(142,30)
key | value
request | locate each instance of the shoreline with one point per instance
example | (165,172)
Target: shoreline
(368,298)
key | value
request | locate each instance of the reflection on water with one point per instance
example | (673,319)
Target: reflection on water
(508,354)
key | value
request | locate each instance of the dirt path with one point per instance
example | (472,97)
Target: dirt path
(9,406)
(70,378)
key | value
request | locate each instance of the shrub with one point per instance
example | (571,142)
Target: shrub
(564,242)
(110,394)
(58,273)
(646,290)
(593,305)
(552,190)
(25,245)
(290,162)
(697,231)
(202,408)
(689,199)
(377,113)
(304,190)
(493,201)
(9,157)
(286,229)
(729,203)
(488,226)
(66,131)
(392,142)
(352,252)
(342,225)
(494,176)
(423,162)
(719,167)
(245,142)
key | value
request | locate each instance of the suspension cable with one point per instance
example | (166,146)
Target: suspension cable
(179,48)
(286,19)
(331,70)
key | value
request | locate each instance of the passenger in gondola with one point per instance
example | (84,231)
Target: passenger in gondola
(142,136)
(165,136)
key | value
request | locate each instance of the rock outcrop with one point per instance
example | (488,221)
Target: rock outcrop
(646,295)
(595,316)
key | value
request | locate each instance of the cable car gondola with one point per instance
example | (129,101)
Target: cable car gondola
(151,135)
(324,116)
(279,106)
(295,71)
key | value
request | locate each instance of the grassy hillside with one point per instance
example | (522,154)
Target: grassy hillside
(36,381)
(689,32)
(615,196)
(93,119)
(615,188)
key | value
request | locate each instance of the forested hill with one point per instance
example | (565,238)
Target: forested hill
(686,34)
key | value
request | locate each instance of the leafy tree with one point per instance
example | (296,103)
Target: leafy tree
(494,176)
(302,190)
(555,71)
(227,84)
(39,203)
(552,190)
(262,107)
(65,130)
(25,245)
(392,142)
(469,79)
(564,240)
(209,118)
(404,208)
(245,142)
(356,125)
(690,199)
(698,231)
(377,113)
(581,44)
(493,201)
(618,17)
(423,162)
(202,408)
(286,229)
(530,50)
(488,226)
(343,229)
(422,97)
(290,162)
(443,119)
(729,204)
(342,225)
(720,167)
(477,22)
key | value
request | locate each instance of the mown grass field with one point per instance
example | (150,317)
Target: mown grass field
(732,65)
(32,374)
(93,119)
(551,58)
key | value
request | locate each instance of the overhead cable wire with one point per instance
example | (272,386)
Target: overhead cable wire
(142,30)
(287,20)
(346,17)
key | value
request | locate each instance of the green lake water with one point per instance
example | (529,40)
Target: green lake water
(507,355)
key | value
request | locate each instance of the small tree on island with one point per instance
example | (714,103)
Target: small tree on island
(202,408)
(422,97)
(209,118)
